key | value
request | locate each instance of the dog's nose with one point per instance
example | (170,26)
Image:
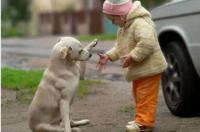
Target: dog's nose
(90,55)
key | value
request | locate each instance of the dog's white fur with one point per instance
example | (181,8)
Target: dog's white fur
(51,103)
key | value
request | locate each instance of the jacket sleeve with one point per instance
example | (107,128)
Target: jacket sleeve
(112,53)
(145,40)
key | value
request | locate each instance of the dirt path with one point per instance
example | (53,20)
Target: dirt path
(102,106)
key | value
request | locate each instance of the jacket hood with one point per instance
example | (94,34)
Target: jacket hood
(136,11)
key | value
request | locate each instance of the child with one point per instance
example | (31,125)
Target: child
(142,59)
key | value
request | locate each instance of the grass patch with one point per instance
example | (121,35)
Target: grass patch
(127,109)
(100,37)
(26,82)
(12,32)
(15,79)
(84,87)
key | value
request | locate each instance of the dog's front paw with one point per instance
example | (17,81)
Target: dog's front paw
(79,123)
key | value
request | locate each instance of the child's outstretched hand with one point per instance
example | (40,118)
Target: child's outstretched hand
(126,61)
(103,59)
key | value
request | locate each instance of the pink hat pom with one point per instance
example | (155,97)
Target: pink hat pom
(117,9)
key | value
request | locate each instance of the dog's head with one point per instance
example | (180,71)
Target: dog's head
(71,49)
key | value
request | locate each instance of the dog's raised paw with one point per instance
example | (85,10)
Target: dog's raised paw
(95,41)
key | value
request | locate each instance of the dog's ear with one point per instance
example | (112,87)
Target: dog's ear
(64,52)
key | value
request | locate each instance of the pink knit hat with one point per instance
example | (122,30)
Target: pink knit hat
(117,7)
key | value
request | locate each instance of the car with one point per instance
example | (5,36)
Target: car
(178,28)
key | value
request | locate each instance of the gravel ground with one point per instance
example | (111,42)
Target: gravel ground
(103,106)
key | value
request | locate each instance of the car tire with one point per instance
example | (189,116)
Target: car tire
(180,82)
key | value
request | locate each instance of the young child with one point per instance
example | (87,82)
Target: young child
(142,59)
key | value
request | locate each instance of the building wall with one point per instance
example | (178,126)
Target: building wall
(85,19)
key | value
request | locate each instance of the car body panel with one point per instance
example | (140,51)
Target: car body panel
(184,19)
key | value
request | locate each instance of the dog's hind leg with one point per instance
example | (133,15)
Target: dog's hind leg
(44,127)
(64,110)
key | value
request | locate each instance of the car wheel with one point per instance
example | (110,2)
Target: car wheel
(179,82)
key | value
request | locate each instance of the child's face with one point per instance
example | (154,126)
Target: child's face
(117,20)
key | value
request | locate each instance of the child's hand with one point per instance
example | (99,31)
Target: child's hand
(126,61)
(102,61)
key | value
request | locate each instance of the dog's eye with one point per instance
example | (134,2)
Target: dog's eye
(80,51)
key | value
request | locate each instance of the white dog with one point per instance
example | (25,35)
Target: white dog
(51,103)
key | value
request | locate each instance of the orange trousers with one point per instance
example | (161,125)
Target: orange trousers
(145,93)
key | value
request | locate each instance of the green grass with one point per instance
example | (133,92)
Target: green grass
(100,37)
(12,32)
(26,82)
(127,109)
(84,87)
(15,79)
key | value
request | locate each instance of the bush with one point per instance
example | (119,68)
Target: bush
(14,13)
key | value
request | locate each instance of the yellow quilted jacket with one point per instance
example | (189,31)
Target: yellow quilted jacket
(138,38)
